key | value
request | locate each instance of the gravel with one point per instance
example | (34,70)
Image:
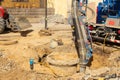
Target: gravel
(98,72)
(5,64)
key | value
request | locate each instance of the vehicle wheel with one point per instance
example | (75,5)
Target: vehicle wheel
(2,26)
(11,18)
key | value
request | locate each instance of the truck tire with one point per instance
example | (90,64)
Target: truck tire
(2,26)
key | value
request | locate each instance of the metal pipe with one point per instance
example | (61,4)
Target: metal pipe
(46,27)
(100,39)
(80,33)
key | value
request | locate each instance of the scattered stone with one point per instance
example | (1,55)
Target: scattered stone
(114,59)
(99,71)
(90,79)
(77,76)
(119,74)
(7,65)
(53,44)
(45,32)
(87,77)
(59,41)
(107,77)
(114,79)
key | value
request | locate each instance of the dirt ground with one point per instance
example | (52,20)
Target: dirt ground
(14,57)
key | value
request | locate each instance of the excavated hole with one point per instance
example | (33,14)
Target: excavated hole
(66,53)
(107,58)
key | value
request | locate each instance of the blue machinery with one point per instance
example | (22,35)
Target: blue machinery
(108,21)
(108,8)
(107,27)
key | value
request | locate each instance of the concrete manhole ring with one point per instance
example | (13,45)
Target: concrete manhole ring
(62,59)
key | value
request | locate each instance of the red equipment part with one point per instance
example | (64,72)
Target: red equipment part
(118,31)
(2,11)
(112,23)
(90,27)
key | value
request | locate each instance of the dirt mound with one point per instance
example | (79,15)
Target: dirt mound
(104,56)
(114,59)
(99,61)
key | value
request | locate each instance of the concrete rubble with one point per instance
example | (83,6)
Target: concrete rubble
(6,64)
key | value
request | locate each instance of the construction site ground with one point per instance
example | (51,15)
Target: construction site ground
(17,48)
